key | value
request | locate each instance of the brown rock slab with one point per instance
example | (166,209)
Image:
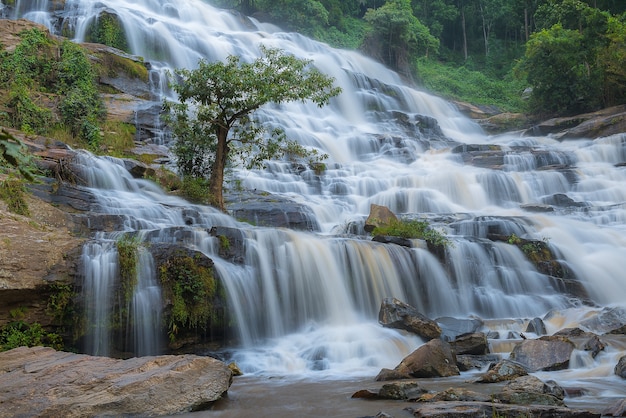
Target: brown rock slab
(40,381)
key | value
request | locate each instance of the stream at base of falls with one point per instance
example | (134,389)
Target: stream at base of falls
(266,397)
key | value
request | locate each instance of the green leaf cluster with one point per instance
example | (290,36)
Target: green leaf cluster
(576,62)
(38,71)
(190,287)
(412,229)
(13,153)
(21,334)
(13,192)
(127,251)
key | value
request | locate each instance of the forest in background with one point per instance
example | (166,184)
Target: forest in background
(543,57)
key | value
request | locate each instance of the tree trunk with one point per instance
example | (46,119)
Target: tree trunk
(216,182)
(464,34)
(485,29)
(527,35)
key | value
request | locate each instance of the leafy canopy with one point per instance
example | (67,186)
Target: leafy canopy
(213,121)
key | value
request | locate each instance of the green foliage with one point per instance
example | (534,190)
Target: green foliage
(12,191)
(60,302)
(108,30)
(127,248)
(18,333)
(561,72)
(40,69)
(412,229)
(537,252)
(195,189)
(81,107)
(213,121)
(296,14)
(190,287)
(13,153)
(467,85)
(397,35)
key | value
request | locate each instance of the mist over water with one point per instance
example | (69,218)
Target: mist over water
(307,303)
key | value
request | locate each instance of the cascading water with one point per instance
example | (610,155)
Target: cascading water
(307,302)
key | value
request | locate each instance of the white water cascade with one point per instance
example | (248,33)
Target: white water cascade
(306,303)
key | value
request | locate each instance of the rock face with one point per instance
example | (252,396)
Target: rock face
(44,382)
(546,353)
(604,122)
(379,216)
(264,209)
(620,367)
(433,359)
(397,314)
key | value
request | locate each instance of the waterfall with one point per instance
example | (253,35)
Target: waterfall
(146,308)
(307,302)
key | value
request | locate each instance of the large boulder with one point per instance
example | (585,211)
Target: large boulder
(43,382)
(399,315)
(433,359)
(379,216)
(530,390)
(545,353)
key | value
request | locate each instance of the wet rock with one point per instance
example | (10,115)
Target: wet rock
(401,391)
(474,343)
(608,319)
(545,353)
(365,394)
(386,239)
(379,216)
(618,330)
(467,362)
(620,367)
(433,359)
(270,210)
(451,328)
(530,390)
(231,243)
(455,395)
(604,122)
(502,371)
(618,409)
(138,169)
(490,409)
(397,314)
(594,345)
(43,382)
(536,326)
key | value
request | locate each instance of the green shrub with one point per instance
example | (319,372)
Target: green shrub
(190,287)
(12,191)
(127,248)
(412,229)
(195,189)
(19,333)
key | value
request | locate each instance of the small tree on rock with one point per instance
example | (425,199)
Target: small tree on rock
(213,120)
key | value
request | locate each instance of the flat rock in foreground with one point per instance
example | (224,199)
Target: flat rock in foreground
(41,381)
